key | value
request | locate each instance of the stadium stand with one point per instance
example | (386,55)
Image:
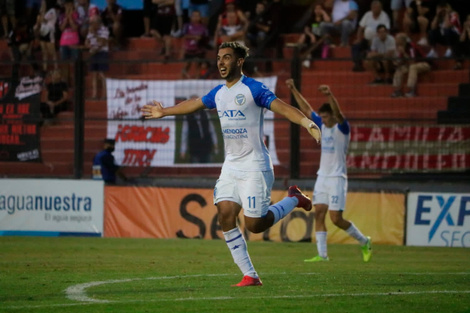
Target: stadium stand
(438,91)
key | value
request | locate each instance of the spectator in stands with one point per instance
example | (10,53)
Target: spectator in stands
(161,25)
(311,39)
(85,12)
(198,138)
(31,11)
(202,6)
(69,27)
(97,43)
(112,18)
(344,19)
(259,26)
(416,20)
(231,30)
(149,10)
(206,70)
(445,29)
(366,31)
(462,48)
(196,37)
(45,29)
(397,6)
(240,22)
(275,10)
(179,13)
(56,96)
(104,164)
(379,59)
(20,41)
(410,60)
(7,14)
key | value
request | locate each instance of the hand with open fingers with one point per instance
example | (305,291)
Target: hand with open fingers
(152,111)
(324,89)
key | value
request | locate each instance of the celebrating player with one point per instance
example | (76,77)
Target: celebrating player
(247,174)
(331,185)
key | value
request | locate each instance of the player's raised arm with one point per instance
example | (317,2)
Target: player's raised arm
(296,116)
(156,110)
(304,106)
(325,89)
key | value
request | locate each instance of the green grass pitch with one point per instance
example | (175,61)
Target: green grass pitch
(151,275)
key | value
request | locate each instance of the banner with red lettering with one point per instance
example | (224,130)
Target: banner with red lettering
(165,142)
(19,120)
(409,148)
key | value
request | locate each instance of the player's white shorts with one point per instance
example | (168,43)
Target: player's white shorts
(331,191)
(251,190)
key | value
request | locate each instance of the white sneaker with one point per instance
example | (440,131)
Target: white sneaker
(432,54)
(306,63)
(448,53)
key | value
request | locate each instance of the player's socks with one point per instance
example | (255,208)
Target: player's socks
(356,234)
(237,245)
(321,244)
(283,207)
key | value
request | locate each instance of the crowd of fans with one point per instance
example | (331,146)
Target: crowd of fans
(388,47)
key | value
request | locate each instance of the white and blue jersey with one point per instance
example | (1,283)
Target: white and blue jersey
(334,148)
(241,113)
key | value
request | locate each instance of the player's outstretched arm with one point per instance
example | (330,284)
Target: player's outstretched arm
(156,110)
(304,106)
(296,116)
(325,89)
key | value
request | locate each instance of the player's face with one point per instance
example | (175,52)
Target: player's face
(228,64)
(327,119)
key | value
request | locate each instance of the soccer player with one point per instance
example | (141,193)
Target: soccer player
(247,174)
(331,185)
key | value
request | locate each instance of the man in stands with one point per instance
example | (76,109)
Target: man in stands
(410,60)
(366,31)
(344,19)
(112,18)
(379,59)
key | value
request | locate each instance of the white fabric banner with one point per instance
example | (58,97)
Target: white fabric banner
(51,206)
(153,142)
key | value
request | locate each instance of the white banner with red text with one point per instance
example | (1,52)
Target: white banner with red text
(409,148)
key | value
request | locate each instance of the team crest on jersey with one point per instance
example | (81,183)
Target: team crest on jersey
(240,99)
